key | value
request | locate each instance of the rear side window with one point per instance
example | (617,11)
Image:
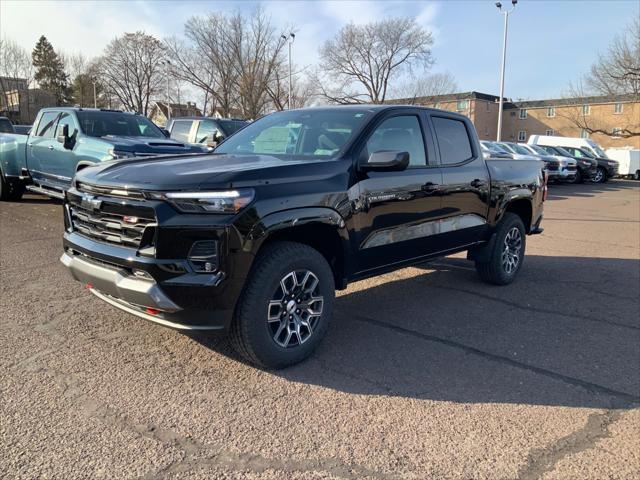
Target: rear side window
(180,130)
(47,124)
(453,140)
(205,129)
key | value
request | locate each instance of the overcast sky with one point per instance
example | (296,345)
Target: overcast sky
(550,42)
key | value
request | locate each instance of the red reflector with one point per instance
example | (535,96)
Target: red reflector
(88,285)
(152,311)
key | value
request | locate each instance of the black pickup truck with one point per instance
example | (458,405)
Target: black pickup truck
(255,238)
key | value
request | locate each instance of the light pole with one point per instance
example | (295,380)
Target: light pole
(167,65)
(289,39)
(504,60)
(95,98)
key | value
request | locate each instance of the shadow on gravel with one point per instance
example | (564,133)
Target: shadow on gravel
(562,191)
(567,332)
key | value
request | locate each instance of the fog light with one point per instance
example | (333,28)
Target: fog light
(203,256)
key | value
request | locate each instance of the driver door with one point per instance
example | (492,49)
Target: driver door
(398,211)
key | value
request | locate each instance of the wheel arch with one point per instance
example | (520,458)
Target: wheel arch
(323,229)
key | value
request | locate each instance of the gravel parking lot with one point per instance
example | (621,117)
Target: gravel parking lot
(425,373)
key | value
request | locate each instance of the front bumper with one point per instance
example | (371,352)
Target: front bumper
(562,175)
(143,287)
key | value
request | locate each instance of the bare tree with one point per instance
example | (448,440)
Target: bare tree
(362,60)
(16,70)
(616,73)
(302,90)
(131,69)
(426,86)
(232,59)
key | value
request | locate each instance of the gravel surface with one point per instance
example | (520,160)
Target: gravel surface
(425,373)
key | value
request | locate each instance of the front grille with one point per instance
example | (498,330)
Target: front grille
(572,167)
(123,230)
(552,166)
(109,219)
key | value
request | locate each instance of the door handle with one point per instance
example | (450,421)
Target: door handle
(430,187)
(50,147)
(477,183)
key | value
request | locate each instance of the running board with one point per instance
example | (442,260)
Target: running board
(46,191)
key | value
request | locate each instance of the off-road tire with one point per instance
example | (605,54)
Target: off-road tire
(578,178)
(494,271)
(250,334)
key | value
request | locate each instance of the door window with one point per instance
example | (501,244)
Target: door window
(46,127)
(66,119)
(205,129)
(403,134)
(180,130)
(453,140)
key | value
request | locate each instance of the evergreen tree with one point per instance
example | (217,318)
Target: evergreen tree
(50,73)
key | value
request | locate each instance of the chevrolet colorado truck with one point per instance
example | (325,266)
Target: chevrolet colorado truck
(255,238)
(65,140)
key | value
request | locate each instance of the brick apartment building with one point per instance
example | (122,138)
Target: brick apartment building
(560,117)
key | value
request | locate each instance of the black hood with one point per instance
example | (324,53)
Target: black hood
(211,171)
(151,145)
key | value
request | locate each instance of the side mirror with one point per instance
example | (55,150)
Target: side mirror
(387,161)
(213,139)
(64,138)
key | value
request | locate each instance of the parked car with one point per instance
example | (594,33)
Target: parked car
(66,140)
(606,168)
(567,166)
(628,161)
(255,238)
(491,151)
(203,130)
(575,142)
(6,126)
(22,129)
(587,167)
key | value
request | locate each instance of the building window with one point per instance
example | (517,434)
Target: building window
(522,136)
(488,106)
(617,108)
(617,131)
(551,111)
(462,105)
(586,109)
(584,133)
(549,133)
(523,113)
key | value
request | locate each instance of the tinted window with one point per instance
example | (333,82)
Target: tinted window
(231,126)
(401,134)
(205,129)
(453,140)
(313,134)
(180,130)
(102,124)
(47,124)
(5,126)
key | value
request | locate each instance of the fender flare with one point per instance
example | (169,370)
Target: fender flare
(83,164)
(510,197)
(297,217)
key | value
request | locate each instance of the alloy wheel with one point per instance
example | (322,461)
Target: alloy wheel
(295,308)
(599,176)
(511,250)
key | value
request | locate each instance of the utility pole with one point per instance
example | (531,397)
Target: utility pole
(95,98)
(504,61)
(289,39)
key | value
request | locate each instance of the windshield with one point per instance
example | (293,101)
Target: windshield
(305,134)
(583,152)
(598,151)
(504,147)
(520,149)
(538,150)
(101,124)
(562,151)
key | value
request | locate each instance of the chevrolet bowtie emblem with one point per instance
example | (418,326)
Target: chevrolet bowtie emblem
(90,202)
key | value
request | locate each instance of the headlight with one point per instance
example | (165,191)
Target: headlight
(613,164)
(228,201)
(585,163)
(120,154)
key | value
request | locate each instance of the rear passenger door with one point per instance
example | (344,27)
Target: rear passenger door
(466,181)
(398,211)
(40,147)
